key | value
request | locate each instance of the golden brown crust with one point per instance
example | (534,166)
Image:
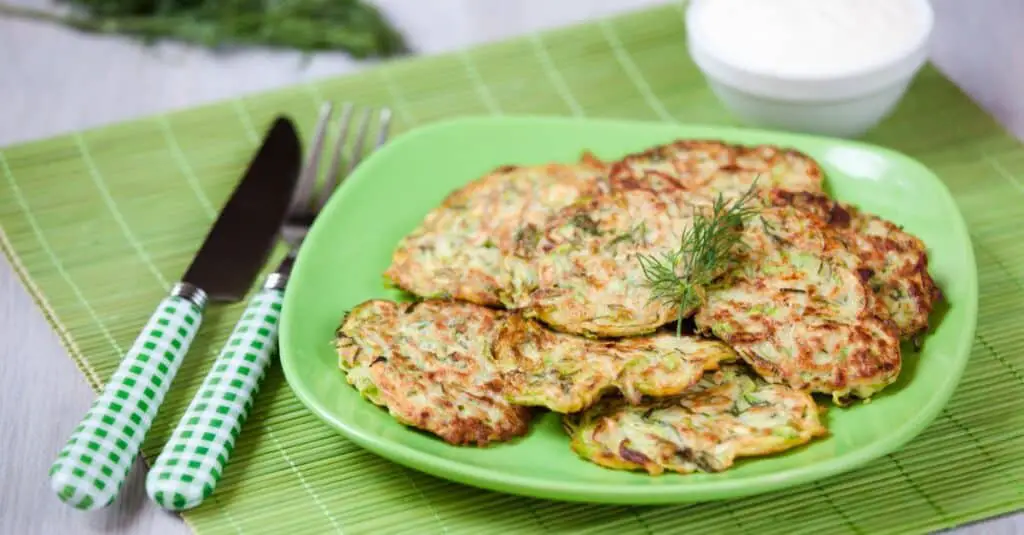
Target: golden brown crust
(457,250)
(710,167)
(589,159)
(430,364)
(730,413)
(797,310)
(568,373)
(580,273)
(562,372)
(895,262)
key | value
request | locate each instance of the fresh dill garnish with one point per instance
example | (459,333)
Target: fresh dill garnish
(705,250)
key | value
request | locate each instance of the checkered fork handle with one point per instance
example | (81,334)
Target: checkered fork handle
(89,472)
(192,461)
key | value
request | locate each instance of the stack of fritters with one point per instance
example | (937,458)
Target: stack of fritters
(534,298)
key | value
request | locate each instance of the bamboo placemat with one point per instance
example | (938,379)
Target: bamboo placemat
(98,224)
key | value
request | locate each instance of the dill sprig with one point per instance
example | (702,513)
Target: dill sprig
(352,26)
(705,250)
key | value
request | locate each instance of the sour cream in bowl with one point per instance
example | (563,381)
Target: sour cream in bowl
(831,67)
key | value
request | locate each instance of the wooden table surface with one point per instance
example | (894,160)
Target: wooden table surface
(54,81)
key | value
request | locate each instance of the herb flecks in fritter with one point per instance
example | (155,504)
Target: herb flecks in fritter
(796,307)
(430,364)
(895,263)
(708,168)
(580,276)
(457,249)
(567,373)
(730,413)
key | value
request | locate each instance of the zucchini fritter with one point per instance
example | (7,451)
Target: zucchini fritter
(580,273)
(729,413)
(707,168)
(895,262)
(797,308)
(430,364)
(457,250)
(568,373)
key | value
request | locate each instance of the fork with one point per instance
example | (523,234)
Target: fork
(192,461)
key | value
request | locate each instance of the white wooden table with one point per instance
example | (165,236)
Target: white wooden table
(54,81)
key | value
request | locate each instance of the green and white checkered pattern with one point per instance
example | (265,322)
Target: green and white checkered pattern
(90,470)
(192,461)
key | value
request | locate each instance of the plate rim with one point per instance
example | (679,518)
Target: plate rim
(619,494)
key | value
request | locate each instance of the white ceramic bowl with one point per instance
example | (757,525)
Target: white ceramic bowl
(845,104)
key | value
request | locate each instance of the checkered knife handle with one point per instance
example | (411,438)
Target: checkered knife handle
(89,472)
(192,461)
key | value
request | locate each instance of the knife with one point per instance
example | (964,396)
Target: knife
(91,468)
(191,464)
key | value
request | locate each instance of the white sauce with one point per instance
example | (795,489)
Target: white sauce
(809,38)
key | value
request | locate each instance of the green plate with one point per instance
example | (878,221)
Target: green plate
(351,243)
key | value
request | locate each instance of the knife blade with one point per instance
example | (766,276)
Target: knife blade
(91,468)
(238,244)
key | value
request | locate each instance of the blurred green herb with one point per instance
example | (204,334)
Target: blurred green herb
(351,26)
(585,223)
(637,234)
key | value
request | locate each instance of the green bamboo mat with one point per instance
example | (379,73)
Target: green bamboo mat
(100,223)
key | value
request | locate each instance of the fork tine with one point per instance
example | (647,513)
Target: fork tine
(357,150)
(302,198)
(385,124)
(339,145)
(382,135)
